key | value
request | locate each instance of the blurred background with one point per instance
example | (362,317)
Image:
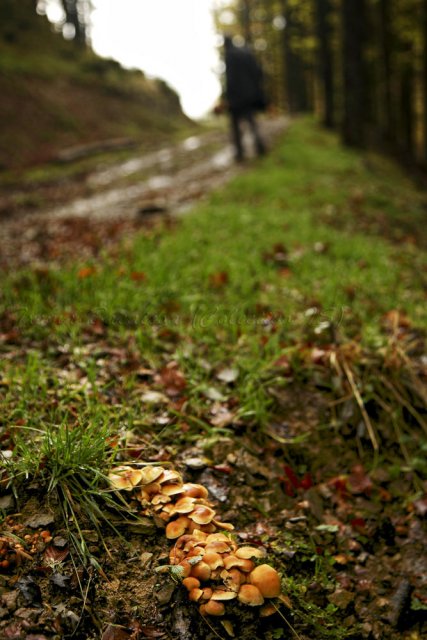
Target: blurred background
(72,71)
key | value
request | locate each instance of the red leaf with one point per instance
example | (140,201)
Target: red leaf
(138,276)
(218,280)
(292,476)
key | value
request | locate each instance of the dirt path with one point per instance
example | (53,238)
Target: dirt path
(111,201)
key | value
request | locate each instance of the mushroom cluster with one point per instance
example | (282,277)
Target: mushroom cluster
(214,569)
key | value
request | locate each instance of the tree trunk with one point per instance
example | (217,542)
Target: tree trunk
(407,104)
(354,104)
(246,21)
(425,77)
(72,16)
(386,43)
(295,71)
(326,67)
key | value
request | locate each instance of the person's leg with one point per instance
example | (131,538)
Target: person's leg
(259,143)
(236,134)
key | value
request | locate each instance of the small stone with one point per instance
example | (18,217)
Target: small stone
(40,520)
(7,503)
(60,542)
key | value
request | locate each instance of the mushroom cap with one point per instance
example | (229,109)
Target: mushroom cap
(201,571)
(220,594)
(160,499)
(214,608)
(251,595)
(125,478)
(266,579)
(170,489)
(213,537)
(223,525)
(202,514)
(240,563)
(195,594)
(170,475)
(207,593)
(151,474)
(184,505)
(214,560)
(267,610)
(218,546)
(191,583)
(195,490)
(232,579)
(176,528)
(250,552)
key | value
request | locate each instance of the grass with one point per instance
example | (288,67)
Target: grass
(291,256)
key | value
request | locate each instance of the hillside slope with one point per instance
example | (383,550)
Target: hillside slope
(55,95)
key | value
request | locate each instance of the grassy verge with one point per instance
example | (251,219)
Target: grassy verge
(207,329)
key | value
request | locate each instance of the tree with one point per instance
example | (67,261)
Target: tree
(326,63)
(354,77)
(76,15)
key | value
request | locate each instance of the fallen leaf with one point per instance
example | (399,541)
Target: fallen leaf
(218,280)
(85,272)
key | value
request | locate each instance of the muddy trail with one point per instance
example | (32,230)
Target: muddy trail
(49,221)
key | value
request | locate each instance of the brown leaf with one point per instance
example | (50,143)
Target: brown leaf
(113,632)
(359,482)
(52,554)
(172,379)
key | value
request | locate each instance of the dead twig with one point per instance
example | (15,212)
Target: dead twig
(359,400)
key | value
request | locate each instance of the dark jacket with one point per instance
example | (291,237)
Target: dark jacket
(244,80)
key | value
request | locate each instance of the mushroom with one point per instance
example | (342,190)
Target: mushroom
(232,579)
(250,552)
(213,537)
(214,608)
(169,475)
(218,546)
(266,579)
(220,594)
(207,593)
(177,527)
(194,490)
(214,560)
(184,505)
(150,474)
(191,583)
(251,595)
(201,571)
(202,515)
(125,478)
(195,594)
(244,565)
(223,525)
(267,610)
(170,489)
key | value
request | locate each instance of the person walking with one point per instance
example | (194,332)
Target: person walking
(244,94)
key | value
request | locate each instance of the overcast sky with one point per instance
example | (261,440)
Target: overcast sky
(171,39)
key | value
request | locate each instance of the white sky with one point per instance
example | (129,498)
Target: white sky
(171,39)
